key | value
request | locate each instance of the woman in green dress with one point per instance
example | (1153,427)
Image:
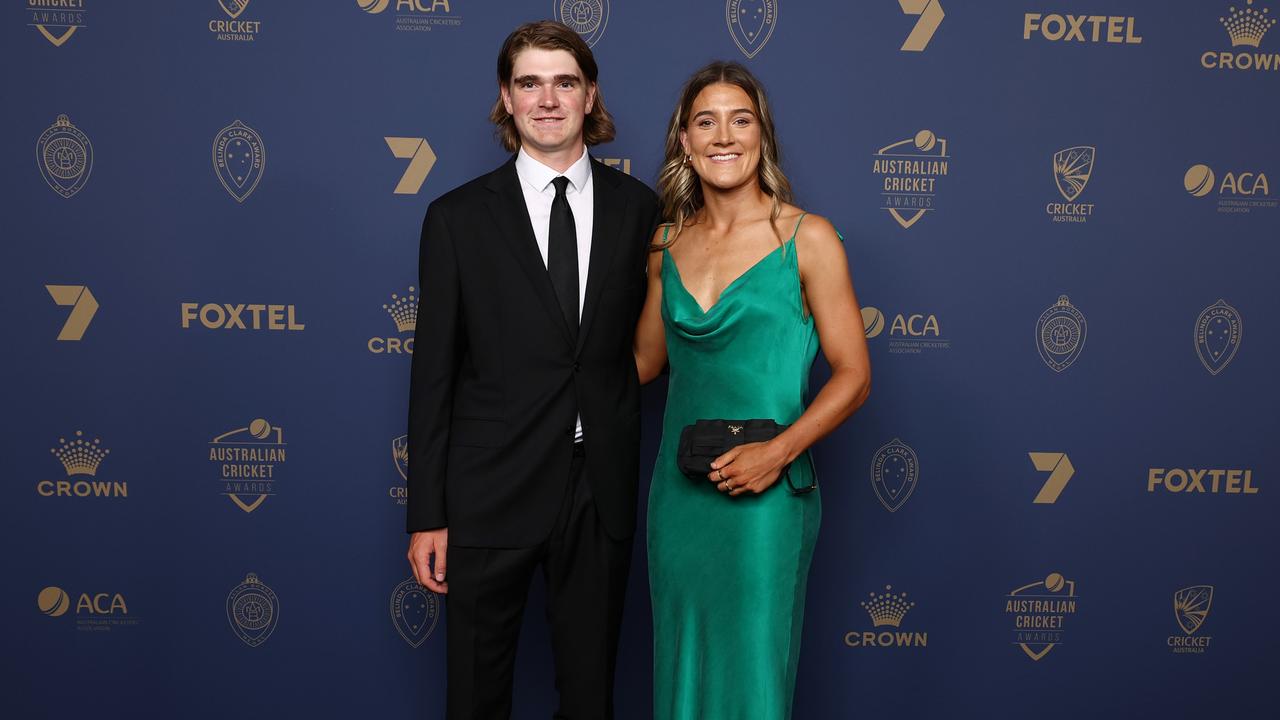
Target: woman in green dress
(742,286)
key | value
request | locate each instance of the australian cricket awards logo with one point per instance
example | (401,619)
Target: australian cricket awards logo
(400,456)
(239,159)
(1072,169)
(588,18)
(246,461)
(1245,27)
(80,458)
(230,27)
(886,611)
(1191,608)
(910,170)
(1039,611)
(1219,330)
(65,157)
(252,610)
(751,23)
(56,20)
(403,310)
(895,470)
(1240,191)
(1060,334)
(414,611)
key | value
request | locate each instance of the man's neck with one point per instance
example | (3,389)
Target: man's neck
(558,161)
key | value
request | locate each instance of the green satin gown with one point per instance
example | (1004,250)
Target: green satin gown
(727,575)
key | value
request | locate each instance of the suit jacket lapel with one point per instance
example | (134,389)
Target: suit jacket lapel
(506,206)
(607,211)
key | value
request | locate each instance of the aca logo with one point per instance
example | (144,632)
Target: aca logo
(1191,609)
(1040,611)
(414,611)
(81,458)
(1191,480)
(910,170)
(1060,334)
(1219,330)
(229,27)
(886,610)
(56,20)
(1072,168)
(403,310)
(1245,28)
(231,316)
(421,159)
(65,157)
(239,158)
(751,23)
(1081,28)
(416,15)
(1238,191)
(83,307)
(400,456)
(895,471)
(1060,470)
(588,18)
(930,12)
(909,333)
(93,611)
(246,461)
(252,610)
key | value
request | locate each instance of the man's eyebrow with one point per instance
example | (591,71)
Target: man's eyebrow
(535,79)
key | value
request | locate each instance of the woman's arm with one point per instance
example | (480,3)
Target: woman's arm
(824,272)
(651,341)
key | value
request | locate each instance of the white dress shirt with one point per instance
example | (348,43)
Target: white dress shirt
(535,183)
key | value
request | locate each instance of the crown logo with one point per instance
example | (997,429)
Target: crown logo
(1248,26)
(80,457)
(404,310)
(886,608)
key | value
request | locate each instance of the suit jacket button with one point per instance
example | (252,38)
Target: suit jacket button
(577,367)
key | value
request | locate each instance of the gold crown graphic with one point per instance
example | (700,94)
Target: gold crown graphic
(404,310)
(1248,26)
(80,457)
(887,608)
(64,121)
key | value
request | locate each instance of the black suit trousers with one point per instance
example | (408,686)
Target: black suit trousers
(586,576)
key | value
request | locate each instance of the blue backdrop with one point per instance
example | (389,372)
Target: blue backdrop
(1059,223)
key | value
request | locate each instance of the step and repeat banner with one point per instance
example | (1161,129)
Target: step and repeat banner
(1061,217)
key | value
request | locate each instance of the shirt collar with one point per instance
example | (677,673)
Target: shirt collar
(539,176)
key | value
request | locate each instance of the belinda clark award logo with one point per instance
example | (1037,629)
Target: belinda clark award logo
(1219,330)
(414,611)
(895,470)
(239,159)
(751,23)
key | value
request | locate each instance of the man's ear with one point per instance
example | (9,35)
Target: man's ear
(505,92)
(591,97)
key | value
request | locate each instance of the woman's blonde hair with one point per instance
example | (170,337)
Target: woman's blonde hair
(679,188)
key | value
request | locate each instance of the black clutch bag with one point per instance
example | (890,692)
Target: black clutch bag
(706,440)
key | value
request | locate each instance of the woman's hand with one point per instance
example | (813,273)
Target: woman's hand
(750,467)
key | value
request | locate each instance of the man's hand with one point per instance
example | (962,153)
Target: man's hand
(422,545)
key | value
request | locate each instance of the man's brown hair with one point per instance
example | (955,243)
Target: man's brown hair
(549,35)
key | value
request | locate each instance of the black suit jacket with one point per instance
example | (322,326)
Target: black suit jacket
(497,383)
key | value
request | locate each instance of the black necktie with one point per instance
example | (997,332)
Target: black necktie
(562,255)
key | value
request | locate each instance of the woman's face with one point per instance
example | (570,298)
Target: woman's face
(722,137)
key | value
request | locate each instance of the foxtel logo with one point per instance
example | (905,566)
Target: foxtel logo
(228,316)
(1177,480)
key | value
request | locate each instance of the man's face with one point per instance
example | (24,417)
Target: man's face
(549,99)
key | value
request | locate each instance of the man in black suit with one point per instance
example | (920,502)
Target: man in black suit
(524,400)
